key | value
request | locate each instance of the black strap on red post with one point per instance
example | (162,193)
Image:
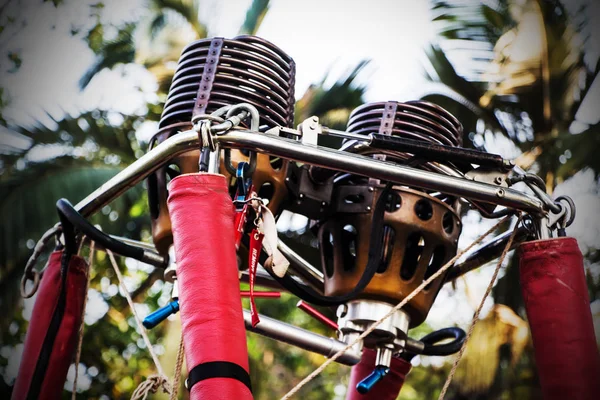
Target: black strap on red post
(217,369)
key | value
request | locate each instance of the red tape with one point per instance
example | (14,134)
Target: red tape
(558,308)
(256,239)
(202,217)
(51,384)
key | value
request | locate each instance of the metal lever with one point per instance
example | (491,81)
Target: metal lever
(161,314)
(377,375)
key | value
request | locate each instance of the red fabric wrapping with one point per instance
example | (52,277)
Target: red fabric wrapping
(209,292)
(558,308)
(63,350)
(386,389)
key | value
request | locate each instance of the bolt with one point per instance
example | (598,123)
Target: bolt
(368,208)
(371,189)
(500,193)
(301,195)
(324,203)
(287,179)
(498,180)
(509,164)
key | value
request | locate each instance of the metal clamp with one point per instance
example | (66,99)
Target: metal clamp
(310,129)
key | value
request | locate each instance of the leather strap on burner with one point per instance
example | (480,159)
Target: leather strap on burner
(388,117)
(208,76)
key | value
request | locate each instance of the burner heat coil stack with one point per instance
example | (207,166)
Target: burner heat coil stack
(419,233)
(211,74)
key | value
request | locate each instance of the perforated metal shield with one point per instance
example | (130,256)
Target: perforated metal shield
(420,229)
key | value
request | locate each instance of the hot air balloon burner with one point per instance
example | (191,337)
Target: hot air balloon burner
(420,229)
(211,74)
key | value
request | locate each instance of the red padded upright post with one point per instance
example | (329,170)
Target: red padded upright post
(388,388)
(52,334)
(558,308)
(210,307)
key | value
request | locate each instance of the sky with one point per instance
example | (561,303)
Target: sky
(333,39)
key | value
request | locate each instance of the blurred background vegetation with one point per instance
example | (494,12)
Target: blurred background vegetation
(521,75)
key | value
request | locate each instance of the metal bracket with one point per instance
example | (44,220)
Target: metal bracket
(311,198)
(490,176)
(557,218)
(353,199)
(278,130)
(310,129)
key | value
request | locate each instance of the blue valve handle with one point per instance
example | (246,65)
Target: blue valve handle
(161,314)
(367,384)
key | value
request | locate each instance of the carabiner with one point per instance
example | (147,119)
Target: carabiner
(243,184)
(232,170)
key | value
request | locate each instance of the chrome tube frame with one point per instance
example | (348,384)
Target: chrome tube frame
(315,155)
(309,274)
(327,158)
(301,338)
(486,253)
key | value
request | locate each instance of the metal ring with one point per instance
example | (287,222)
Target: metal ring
(571,209)
(197,118)
(35,278)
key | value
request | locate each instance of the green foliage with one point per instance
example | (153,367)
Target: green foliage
(254,17)
(92,147)
(111,53)
(537,73)
(55,2)
(543,92)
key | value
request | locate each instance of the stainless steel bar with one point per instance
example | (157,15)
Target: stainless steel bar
(150,255)
(302,268)
(320,156)
(265,280)
(136,243)
(301,338)
(344,134)
(486,253)
(262,279)
(137,171)
(361,165)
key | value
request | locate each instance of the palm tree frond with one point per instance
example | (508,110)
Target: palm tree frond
(121,50)
(254,17)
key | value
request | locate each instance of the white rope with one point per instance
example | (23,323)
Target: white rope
(478,311)
(177,374)
(81,327)
(374,326)
(154,382)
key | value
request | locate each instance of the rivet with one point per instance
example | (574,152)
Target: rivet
(500,193)
(368,208)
